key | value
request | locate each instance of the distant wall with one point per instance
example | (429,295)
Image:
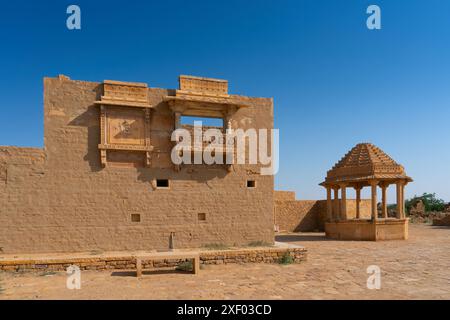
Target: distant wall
(297,215)
(284,196)
(308,215)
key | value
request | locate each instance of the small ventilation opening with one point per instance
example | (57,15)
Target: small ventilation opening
(162,183)
(135,217)
(251,184)
(202,217)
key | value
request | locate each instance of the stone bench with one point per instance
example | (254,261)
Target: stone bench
(194,256)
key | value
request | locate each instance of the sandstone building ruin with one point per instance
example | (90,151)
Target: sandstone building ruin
(105,180)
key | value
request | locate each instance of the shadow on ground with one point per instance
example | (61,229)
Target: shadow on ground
(144,273)
(301,237)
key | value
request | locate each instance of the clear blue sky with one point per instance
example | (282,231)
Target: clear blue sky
(335,83)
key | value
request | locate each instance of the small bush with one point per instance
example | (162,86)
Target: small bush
(185,266)
(216,246)
(286,259)
(430,201)
(95,252)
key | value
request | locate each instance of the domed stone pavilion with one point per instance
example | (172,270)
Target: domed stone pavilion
(365,166)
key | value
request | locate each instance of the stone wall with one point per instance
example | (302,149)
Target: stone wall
(299,215)
(61,199)
(284,195)
(257,255)
(442,221)
(309,215)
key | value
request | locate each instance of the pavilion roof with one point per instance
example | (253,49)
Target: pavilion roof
(363,163)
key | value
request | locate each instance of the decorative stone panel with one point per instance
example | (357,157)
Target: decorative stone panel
(203,86)
(119,92)
(125,124)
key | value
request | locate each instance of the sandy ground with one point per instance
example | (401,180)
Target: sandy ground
(415,269)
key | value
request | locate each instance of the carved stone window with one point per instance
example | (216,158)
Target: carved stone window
(205,98)
(125,124)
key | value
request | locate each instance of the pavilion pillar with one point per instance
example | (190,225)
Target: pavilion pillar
(343,212)
(400,202)
(358,202)
(329,205)
(384,201)
(374,210)
(403,199)
(336,211)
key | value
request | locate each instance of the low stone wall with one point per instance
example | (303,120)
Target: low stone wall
(443,221)
(123,262)
(272,255)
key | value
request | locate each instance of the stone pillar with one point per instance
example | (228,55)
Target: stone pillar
(384,201)
(336,209)
(374,210)
(329,205)
(177,120)
(403,200)
(227,117)
(343,201)
(358,202)
(400,204)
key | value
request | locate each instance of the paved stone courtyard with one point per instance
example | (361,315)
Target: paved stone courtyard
(418,268)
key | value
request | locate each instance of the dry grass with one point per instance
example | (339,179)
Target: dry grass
(216,246)
(259,244)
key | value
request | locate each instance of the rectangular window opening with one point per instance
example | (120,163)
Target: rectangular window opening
(135,217)
(251,184)
(162,183)
(202,217)
(205,122)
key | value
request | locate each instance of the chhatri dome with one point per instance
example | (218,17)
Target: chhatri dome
(363,163)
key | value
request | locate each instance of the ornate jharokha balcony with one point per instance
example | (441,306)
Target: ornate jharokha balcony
(208,138)
(203,97)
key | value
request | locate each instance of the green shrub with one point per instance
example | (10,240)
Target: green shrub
(430,201)
(286,259)
(185,266)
